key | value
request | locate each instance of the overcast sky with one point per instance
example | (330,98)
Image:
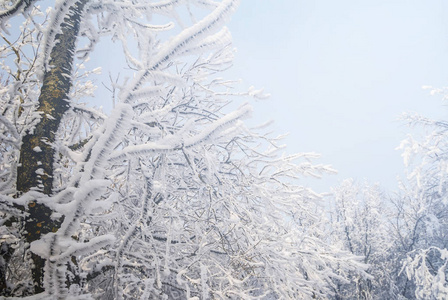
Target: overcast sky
(341,73)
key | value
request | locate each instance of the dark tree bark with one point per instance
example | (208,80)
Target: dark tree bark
(35,171)
(5,252)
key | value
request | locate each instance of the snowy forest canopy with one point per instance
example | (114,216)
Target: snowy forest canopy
(172,195)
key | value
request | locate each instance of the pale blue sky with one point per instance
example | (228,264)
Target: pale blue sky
(341,73)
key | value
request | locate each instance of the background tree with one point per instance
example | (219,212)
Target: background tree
(403,238)
(170,195)
(422,212)
(360,223)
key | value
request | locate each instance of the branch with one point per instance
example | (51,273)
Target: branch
(19,6)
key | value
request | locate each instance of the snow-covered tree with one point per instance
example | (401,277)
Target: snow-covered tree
(427,269)
(421,222)
(168,196)
(360,218)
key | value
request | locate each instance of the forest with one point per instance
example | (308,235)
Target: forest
(171,193)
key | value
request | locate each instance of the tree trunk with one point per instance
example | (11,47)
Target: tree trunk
(35,171)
